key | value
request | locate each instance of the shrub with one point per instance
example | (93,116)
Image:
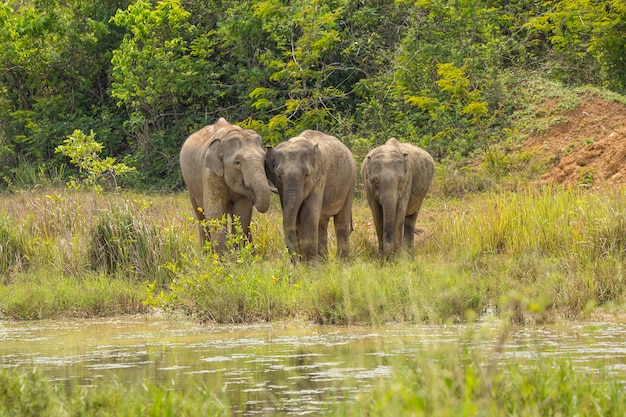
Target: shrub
(121,242)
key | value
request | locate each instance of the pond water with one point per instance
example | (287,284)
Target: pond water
(294,368)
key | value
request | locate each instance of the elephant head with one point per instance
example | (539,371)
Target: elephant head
(237,156)
(295,167)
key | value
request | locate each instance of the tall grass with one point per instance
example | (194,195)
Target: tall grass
(15,251)
(120,241)
(42,295)
(28,394)
(546,221)
(451,380)
(80,254)
(529,256)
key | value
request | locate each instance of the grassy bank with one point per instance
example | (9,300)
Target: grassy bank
(530,256)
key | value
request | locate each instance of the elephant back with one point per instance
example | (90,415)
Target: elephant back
(423,167)
(336,155)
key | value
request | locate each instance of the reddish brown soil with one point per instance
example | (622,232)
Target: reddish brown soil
(588,145)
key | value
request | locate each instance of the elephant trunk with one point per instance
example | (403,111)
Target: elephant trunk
(292,201)
(389,206)
(258,187)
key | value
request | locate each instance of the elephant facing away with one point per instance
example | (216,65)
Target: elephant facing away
(223,169)
(315,175)
(396,177)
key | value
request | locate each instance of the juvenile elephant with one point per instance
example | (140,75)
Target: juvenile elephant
(223,168)
(315,175)
(396,177)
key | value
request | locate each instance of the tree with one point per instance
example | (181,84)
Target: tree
(153,75)
(95,172)
(583,30)
(54,59)
(306,39)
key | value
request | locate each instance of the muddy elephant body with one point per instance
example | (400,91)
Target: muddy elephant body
(315,175)
(396,177)
(223,169)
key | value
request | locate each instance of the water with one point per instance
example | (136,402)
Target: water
(296,368)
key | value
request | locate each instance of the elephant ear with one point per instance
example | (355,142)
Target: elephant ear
(393,142)
(366,166)
(213,157)
(319,163)
(269,164)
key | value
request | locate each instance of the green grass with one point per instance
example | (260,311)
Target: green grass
(533,255)
(27,394)
(444,380)
(453,381)
(43,295)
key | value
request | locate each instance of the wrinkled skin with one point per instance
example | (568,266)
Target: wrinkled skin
(223,169)
(396,177)
(315,175)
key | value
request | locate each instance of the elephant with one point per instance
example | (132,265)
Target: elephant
(223,169)
(315,175)
(396,177)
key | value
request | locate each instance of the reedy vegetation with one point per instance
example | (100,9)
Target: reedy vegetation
(532,255)
(449,381)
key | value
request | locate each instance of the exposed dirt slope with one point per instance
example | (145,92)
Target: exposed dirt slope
(588,146)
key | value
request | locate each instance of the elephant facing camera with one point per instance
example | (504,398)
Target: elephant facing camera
(396,177)
(315,175)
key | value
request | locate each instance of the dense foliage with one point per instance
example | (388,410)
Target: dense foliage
(144,74)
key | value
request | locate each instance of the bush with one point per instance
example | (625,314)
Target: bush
(121,242)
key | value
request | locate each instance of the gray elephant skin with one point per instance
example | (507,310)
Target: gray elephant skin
(223,169)
(315,175)
(396,177)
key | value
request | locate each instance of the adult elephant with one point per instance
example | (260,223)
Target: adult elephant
(315,175)
(396,177)
(223,169)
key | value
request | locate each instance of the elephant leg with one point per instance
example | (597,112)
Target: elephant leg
(377,215)
(242,209)
(215,219)
(199,213)
(322,237)
(309,227)
(343,229)
(399,226)
(409,229)
(217,233)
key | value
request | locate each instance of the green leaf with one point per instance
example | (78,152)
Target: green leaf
(424,103)
(476,109)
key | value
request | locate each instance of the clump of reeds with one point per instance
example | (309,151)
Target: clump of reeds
(15,252)
(453,381)
(29,394)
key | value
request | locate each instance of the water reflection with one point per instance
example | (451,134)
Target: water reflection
(295,369)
